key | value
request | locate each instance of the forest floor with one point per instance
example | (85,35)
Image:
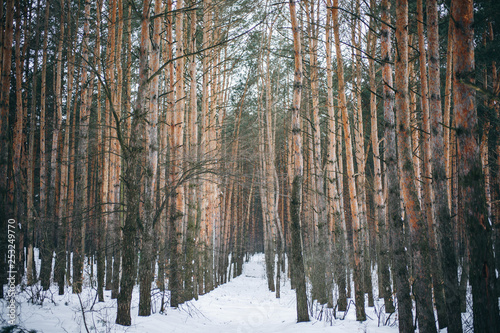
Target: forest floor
(243,305)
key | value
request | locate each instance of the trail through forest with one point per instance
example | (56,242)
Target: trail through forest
(242,305)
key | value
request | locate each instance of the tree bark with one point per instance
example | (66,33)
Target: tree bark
(46,247)
(264,184)
(30,204)
(101,218)
(192,159)
(57,123)
(18,139)
(385,289)
(359,152)
(116,152)
(470,175)
(205,154)
(134,158)
(81,179)
(298,169)
(337,233)
(418,228)
(146,265)
(176,158)
(441,209)
(319,291)
(427,207)
(356,235)
(394,220)
(446,113)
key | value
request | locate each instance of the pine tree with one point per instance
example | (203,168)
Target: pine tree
(298,167)
(470,175)
(356,235)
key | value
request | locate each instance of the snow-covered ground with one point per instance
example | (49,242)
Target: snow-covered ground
(242,305)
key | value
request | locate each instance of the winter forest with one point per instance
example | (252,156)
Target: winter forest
(342,155)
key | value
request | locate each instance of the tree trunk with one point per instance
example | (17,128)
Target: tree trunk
(336,233)
(176,158)
(101,218)
(134,158)
(17,141)
(440,186)
(385,289)
(205,153)
(146,265)
(264,185)
(113,179)
(356,235)
(57,123)
(470,175)
(394,221)
(437,274)
(81,207)
(46,247)
(418,228)
(359,152)
(192,155)
(30,205)
(71,187)
(447,107)
(320,257)
(116,152)
(161,224)
(298,170)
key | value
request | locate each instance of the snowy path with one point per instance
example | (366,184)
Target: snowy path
(242,305)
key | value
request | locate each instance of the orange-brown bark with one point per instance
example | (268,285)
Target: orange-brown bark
(81,169)
(414,214)
(470,175)
(357,245)
(442,216)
